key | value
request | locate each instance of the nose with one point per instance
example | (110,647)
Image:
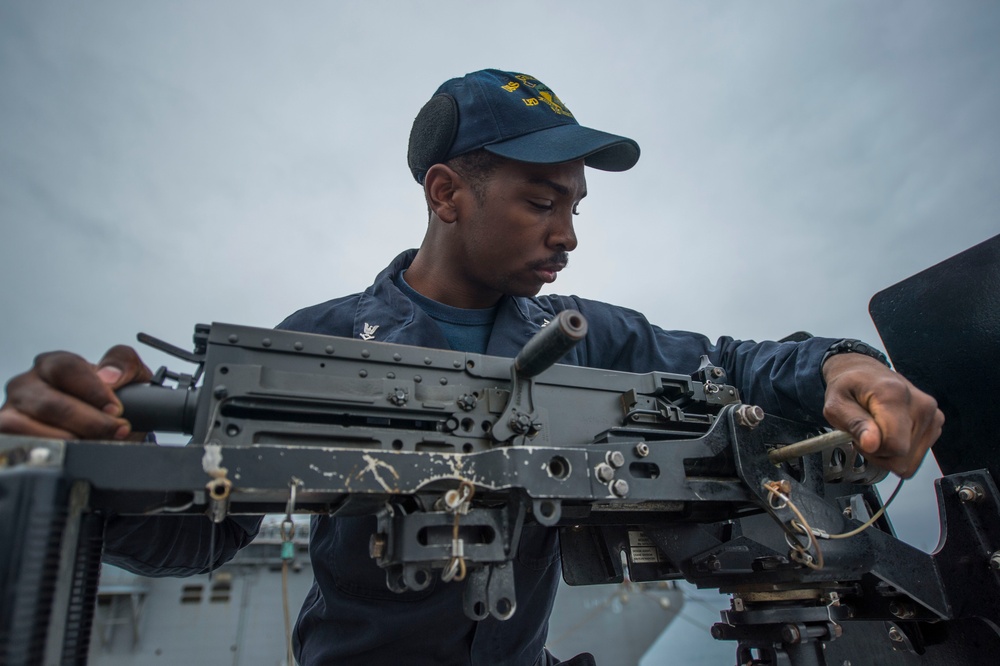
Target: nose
(562,235)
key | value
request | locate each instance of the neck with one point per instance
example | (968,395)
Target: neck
(430,275)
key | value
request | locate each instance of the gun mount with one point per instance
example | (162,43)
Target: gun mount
(657,476)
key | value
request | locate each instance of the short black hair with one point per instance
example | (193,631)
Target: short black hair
(476,167)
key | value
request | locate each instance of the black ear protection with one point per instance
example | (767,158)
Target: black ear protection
(432,134)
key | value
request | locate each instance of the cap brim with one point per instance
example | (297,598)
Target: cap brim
(565,143)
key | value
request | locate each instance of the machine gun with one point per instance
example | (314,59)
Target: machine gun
(655,476)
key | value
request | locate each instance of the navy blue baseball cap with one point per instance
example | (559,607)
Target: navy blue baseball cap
(512,115)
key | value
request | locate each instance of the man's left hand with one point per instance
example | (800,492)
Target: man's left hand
(893,422)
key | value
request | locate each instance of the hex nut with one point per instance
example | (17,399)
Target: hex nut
(619,487)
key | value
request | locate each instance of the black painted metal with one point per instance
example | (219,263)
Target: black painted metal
(941,328)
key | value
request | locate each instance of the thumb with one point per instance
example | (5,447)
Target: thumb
(121,365)
(851,417)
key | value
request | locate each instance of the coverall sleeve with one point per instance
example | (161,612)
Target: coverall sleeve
(160,546)
(783,378)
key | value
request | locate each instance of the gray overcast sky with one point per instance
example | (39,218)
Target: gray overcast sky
(163,164)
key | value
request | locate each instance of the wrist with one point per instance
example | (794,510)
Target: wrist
(837,364)
(852,346)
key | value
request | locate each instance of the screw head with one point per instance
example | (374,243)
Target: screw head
(901,609)
(970,492)
(995,561)
(619,487)
(520,423)
(399,396)
(615,459)
(642,449)
(749,416)
(604,472)
(790,634)
(895,635)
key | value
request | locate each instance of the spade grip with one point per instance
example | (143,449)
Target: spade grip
(551,343)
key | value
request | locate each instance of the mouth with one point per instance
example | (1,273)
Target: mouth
(547,272)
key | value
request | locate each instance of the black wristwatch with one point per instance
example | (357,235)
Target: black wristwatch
(857,347)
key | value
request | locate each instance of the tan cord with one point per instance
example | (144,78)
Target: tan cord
(871,521)
(772,487)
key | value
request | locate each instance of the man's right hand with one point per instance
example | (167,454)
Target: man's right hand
(65,397)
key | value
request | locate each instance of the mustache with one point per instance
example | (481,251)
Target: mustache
(557,259)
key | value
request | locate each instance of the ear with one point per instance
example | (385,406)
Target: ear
(444,188)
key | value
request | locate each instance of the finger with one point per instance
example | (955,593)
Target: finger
(48,413)
(15,423)
(72,375)
(851,417)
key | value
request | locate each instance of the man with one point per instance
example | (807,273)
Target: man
(501,160)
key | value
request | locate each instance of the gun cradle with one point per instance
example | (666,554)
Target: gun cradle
(660,474)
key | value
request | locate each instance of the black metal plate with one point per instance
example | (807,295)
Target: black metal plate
(941,328)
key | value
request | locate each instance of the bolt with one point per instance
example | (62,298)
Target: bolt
(376,546)
(467,402)
(995,561)
(619,487)
(642,449)
(749,416)
(848,512)
(901,609)
(895,635)
(399,396)
(718,372)
(615,459)
(220,392)
(790,634)
(605,472)
(520,423)
(970,492)
(39,455)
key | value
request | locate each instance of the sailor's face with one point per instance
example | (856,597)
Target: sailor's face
(518,234)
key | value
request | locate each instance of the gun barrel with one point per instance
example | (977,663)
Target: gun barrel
(551,343)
